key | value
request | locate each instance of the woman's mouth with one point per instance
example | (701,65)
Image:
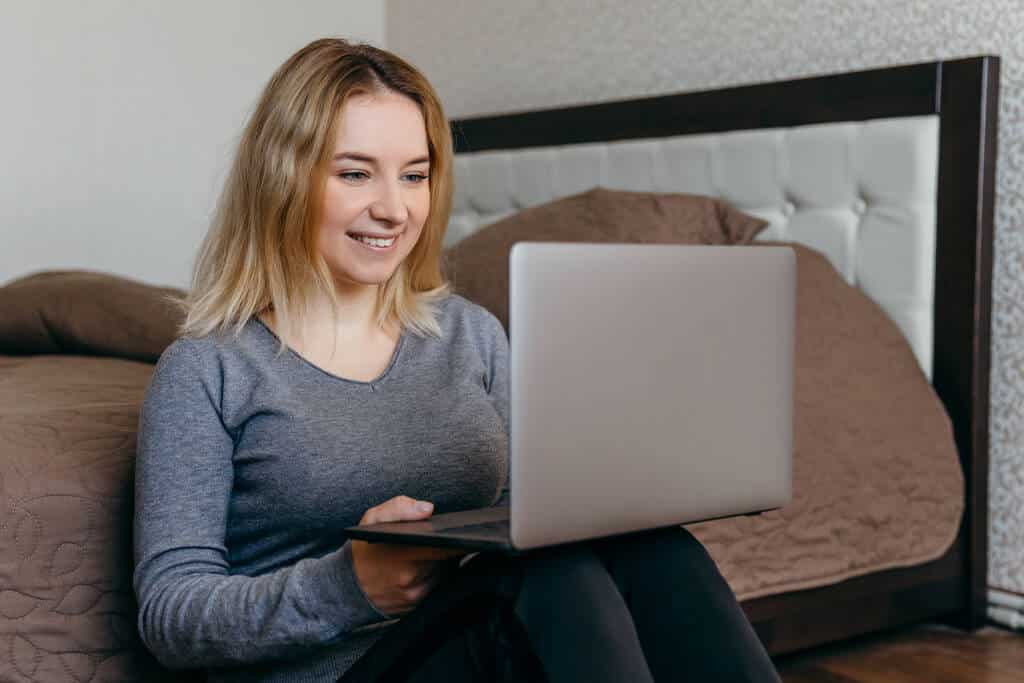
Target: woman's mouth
(377,244)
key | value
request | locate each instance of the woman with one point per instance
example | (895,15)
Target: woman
(325,376)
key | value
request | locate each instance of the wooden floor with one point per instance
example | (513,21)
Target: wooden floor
(928,653)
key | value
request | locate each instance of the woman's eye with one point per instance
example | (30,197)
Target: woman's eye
(363,175)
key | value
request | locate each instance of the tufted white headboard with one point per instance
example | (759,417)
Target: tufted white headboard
(863,193)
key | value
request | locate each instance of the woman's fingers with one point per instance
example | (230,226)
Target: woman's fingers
(398,509)
(403,509)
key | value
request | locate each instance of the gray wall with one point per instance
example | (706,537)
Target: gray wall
(488,56)
(119,118)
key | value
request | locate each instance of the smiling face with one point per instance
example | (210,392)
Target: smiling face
(377,194)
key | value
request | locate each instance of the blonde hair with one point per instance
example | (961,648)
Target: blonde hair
(261,249)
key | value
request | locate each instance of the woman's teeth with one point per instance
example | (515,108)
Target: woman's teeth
(374,242)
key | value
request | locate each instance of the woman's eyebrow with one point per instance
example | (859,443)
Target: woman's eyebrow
(356,156)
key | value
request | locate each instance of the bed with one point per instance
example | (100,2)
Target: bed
(887,172)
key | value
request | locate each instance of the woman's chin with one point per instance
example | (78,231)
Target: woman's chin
(368,277)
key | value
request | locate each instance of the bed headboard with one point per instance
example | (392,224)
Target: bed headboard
(889,172)
(863,193)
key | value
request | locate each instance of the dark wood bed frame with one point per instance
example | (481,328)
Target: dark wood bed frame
(964,94)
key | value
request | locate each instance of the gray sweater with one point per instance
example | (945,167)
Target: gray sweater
(248,469)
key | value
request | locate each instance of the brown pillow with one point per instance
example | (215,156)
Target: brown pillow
(79,312)
(478,265)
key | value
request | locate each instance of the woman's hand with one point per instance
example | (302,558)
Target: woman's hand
(396,577)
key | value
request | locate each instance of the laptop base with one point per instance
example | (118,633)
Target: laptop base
(483,529)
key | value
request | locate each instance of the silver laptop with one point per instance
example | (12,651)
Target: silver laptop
(651,386)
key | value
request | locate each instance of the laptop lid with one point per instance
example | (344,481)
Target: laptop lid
(650,385)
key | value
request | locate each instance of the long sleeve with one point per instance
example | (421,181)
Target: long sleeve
(498,384)
(193,612)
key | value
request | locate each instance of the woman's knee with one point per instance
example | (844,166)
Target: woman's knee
(675,540)
(561,563)
(560,577)
(672,552)
(572,586)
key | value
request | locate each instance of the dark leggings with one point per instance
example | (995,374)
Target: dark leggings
(639,608)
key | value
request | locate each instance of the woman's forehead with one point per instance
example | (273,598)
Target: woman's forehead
(385,125)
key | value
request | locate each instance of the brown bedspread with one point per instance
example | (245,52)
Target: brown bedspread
(876,477)
(67,453)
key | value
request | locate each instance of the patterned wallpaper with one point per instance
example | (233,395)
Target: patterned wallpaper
(486,56)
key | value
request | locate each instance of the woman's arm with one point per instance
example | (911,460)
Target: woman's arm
(498,381)
(192,611)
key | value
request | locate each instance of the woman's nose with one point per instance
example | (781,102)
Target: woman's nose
(389,205)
